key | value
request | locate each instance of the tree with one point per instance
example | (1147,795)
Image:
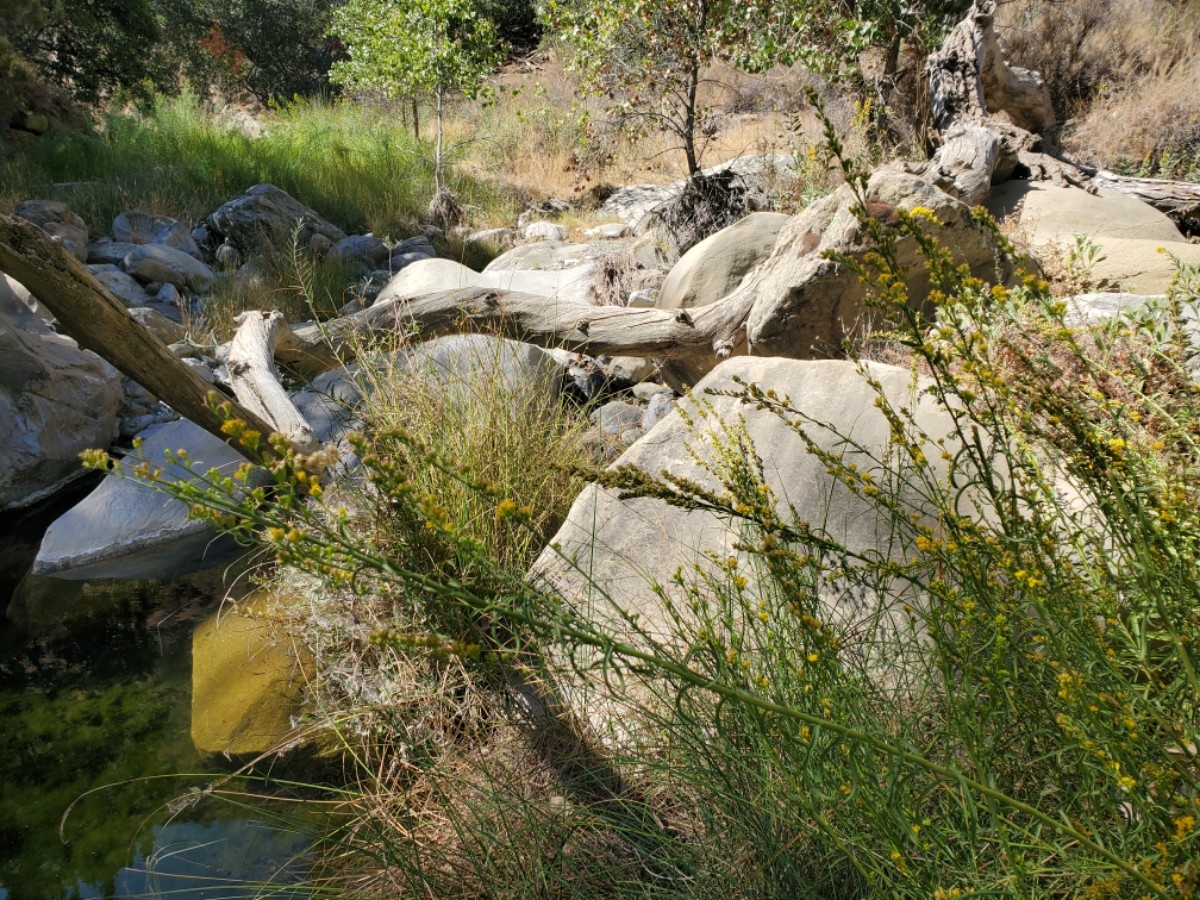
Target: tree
(439,48)
(93,47)
(648,58)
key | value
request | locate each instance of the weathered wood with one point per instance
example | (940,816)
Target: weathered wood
(1180,200)
(98,322)
(970,78)
(256,382)
(598,330)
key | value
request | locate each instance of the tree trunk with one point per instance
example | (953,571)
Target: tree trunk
(598,330)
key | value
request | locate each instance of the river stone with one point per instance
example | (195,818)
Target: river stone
(55,401)
(126,529)
(330,404)
(431,275)
(806,305)
(56,219)
(248,677)
(265,218)
(618,549)
(158,263)
(137,227)
(544,231)
(120,285)
(711,270)
(361,248)
(1041,211)
(459,361)
(108,253)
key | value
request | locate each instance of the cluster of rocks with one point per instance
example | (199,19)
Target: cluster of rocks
(56,399)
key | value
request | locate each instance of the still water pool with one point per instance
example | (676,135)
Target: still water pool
(95,752)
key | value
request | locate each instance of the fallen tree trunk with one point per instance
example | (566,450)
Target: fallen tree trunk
(598,330)
(99,322)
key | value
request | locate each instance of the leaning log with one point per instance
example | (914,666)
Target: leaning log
(256,381)
(99,322)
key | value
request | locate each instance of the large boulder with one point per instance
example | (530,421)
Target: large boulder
(265,218)
(806,305)
(1131,237)
(137,227)
(127,529)
(571,285)
(56,219)
(120,285)
(166,265)
(614,556)
(711,270)
(55,401)
(457,362)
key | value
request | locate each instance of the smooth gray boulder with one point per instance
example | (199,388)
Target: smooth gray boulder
(265,218)
(611,553)
(360,248)
(1134,242)
(137,227)
(57,219)
(711,270)
(428,276)
(544,231)
(55,401)
(120,285)
(166,265)
(126,529)
(457,362)
(331,404)
(108,253)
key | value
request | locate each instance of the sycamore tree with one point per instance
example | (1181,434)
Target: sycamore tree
(437,48)
(647,59)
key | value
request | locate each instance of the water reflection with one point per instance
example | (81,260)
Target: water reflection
(95,681)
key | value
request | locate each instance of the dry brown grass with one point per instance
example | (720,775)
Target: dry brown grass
(532,138)
(1124,75)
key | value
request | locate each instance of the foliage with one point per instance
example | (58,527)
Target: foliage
(441,48)
(649,60)
(274,49)
(358,169)
(94,47)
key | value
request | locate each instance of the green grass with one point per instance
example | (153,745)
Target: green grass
(357,166)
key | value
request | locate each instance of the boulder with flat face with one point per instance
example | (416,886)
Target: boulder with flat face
(166,265)
(55,401)
(615,560)
(127,529)
(265,218)
(1133,243)
(806,305)
(56,219)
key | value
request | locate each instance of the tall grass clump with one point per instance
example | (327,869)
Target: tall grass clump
(1012,710)
(356,165)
